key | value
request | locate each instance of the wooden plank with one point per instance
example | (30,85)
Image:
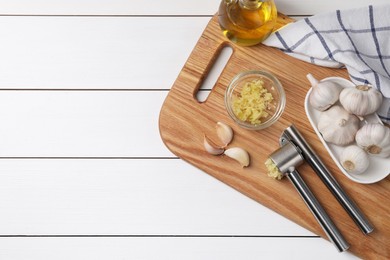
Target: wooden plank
(127,197)
(95,52)
(106,7)
(184,121)
(81,124)
(167,7)
(168,248)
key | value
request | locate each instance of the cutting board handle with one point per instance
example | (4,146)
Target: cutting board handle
(202,60)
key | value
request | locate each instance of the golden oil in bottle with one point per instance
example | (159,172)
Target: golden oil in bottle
(247,22)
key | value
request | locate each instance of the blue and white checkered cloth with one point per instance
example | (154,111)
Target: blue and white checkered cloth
(358,39)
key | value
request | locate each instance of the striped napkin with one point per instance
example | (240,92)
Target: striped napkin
(357,39)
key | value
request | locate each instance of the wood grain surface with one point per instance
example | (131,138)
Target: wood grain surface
(183,122)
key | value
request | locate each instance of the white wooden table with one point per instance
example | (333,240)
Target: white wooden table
(83,172)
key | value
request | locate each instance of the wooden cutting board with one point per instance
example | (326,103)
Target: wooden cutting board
(184,121)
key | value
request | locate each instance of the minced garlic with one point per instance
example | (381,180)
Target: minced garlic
(273,171)
(253,103)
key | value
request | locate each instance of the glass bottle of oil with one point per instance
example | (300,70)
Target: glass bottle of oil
(247,22)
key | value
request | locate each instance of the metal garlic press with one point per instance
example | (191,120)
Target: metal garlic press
(293,151)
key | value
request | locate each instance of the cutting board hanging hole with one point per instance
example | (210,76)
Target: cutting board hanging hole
(213,74)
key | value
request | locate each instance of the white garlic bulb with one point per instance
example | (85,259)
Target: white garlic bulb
(323,94)
(337,126)
(354,159)
(361,100)
(374,139)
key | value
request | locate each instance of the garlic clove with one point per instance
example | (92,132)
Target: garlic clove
(225,133)
(337,126)
(323,94)
(361,100)
(211,148)
(239,155)
(374,139)
(354,159)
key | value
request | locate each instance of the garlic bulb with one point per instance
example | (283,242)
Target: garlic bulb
(323,94)
(238,154)
(224,132)
(354,159)
(374,139)
(337,126)
(211,148)
(361,100)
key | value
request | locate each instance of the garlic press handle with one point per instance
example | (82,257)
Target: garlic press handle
(292,134)
(318,211)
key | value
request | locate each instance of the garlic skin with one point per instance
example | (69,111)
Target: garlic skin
(225,133)
(374,139)
(337,126)
(354,159)
(323,94)
(361,100)
(211,148)
(238,154)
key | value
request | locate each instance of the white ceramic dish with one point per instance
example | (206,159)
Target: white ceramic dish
(379,167)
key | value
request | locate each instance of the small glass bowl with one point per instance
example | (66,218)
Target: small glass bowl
(271,83)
